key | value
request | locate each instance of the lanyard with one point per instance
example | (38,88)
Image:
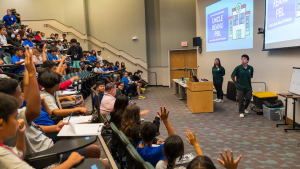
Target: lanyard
(4,146)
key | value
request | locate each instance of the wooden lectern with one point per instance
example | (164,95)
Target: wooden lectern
(200,96)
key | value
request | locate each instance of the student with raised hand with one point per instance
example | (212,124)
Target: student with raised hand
(148,133)
(51,82)
(228,161)
(13,158)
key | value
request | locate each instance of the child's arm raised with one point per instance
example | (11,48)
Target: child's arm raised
(33,108)
(229,162)
(164,117)
(20,144)
(191,138)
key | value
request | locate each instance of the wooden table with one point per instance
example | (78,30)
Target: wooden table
(295,98)
(180,87)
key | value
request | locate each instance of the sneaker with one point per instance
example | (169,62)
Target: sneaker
(220,101)
(242,115)
(143,89)
(216,100)
(142,97)
(246,111)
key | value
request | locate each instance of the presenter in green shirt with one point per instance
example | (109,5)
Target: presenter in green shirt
(243,74)
(218,72)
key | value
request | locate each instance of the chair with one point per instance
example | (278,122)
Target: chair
(7,59)
(133,159)
(101,118)
(124,142)
(52,155)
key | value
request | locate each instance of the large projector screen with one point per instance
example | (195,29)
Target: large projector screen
(229,25)
(282,23)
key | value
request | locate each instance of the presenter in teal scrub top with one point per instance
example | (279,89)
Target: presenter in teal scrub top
(218,72)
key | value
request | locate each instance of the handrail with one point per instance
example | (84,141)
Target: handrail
(58,30)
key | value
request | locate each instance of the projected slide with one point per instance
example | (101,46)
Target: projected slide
(282,24)
(229,25)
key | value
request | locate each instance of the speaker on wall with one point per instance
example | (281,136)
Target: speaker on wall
(197,42)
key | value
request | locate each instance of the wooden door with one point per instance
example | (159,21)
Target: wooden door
(191,62)
(177,64)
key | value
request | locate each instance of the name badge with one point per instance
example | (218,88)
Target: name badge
(12,19)
(75,56)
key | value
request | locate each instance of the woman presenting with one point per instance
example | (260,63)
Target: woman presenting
(218,72)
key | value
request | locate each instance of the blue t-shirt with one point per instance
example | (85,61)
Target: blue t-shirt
(50,57)
(94,58)
(55,57)
(68,60)
(126,81)
(90,58)
(104,69)
(44,119)
(26,42)
(151,154)
(116,67)
(95,99)
(15,59)
(9,20)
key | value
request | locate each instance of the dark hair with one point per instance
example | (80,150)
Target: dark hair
(29,30)
(215,64)
(173,148)
(245,56)
(8,35)
(98,51)
(8,86)
(119,108)
(122,66)
(97,63)
(48,64)
(8,105)
(64,34)
(201,162)
(148,131)
(29,36)
(99,83)
(37,32)
(129,73)
(53,49)
(92,52)
(109,86)
(117,63)
(73,41)
(48,79)
(2,26)
(65,40)
(131,117)
(56,34)
(18,48)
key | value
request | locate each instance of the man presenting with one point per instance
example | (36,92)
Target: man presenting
(243,74)
(9,20)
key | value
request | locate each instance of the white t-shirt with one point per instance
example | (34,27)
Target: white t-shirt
(162,165)
(50,100)
(99,70)
(9,160)
(35,140)
(99,58)
(3,40)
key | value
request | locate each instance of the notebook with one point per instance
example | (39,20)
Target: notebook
(78,119)
(93,129)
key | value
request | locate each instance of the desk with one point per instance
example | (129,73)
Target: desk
(180,87)
(294,97)
(8,65)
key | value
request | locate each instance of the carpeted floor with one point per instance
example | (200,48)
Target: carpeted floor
(257,139)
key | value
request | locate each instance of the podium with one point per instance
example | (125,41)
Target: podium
(200,97)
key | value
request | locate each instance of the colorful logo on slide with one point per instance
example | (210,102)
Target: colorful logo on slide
(239,22)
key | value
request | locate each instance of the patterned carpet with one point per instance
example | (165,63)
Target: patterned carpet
(257,139)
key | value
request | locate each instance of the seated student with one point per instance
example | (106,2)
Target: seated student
(3,40)
(129,76)
(18,60)
(23,32)
(60,47)
(98,70)
(117,113)
(131,123)
(51,83)
(64,36)
(29,31)
(173,148)
(18,40)
(131,86)
(43,37)
(56,37)
(148,133)
(117,66)
(11,127)
(65,44)
(69,65)
(108,100)
(28,41)
(53,55)
(38,36)
(120,91)
(99,57)
(136,79)
(52,36)
(123,66)
(100,89)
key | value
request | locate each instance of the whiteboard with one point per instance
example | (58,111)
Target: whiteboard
(295,81)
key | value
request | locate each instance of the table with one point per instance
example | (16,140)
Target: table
(180,87)
(8,65)
(295,98)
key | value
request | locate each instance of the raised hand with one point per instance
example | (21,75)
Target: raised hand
(44,47)
(164,114)
(29,64)
(229,162)
(191,138)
